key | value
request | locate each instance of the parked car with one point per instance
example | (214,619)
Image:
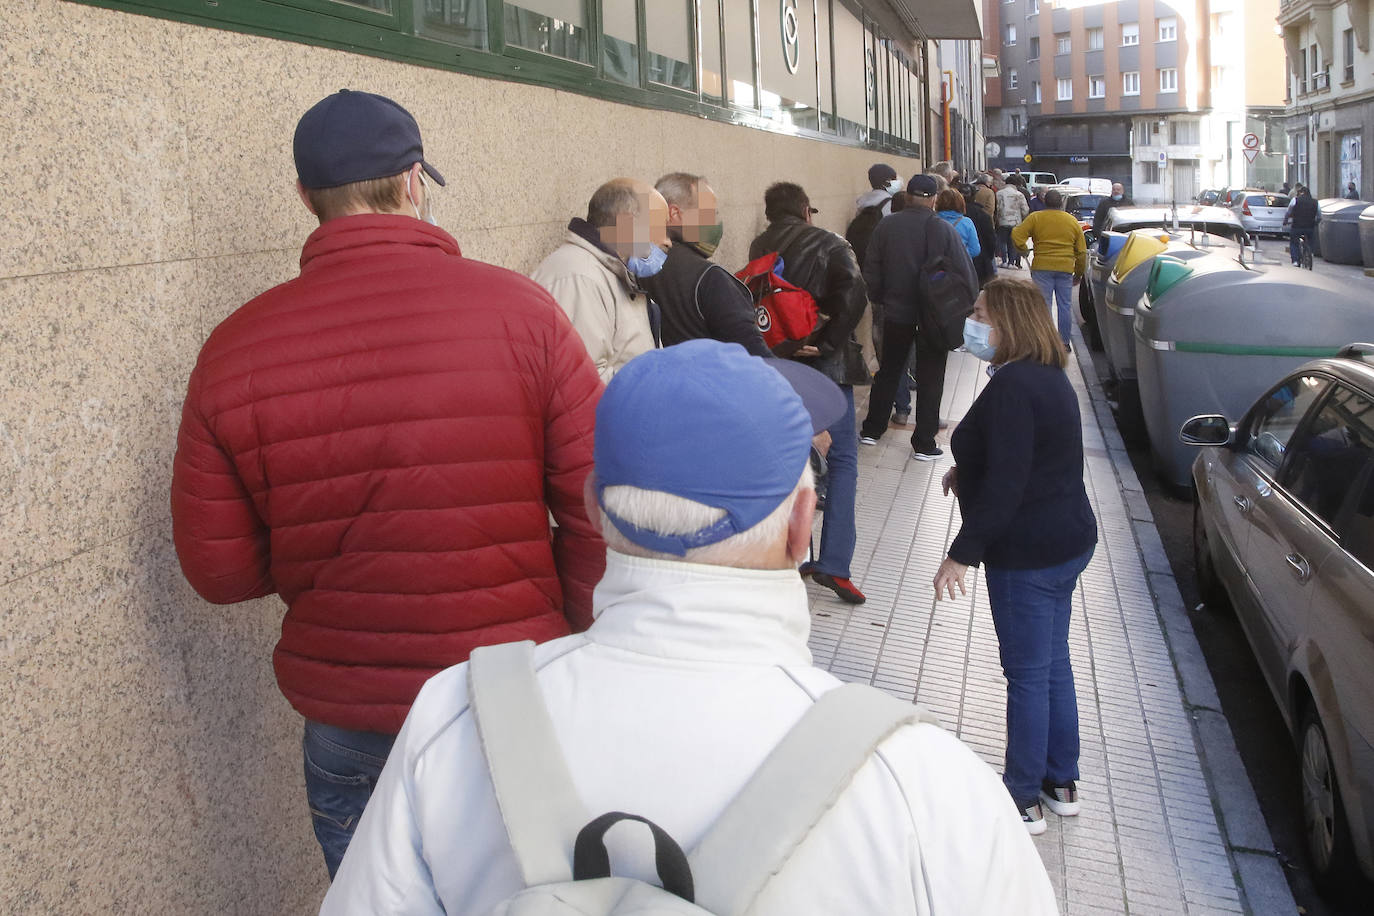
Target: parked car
(1192,218)
(1082,204)
(1261,212)
(1284,528)
(1039,180)
(1208,197)
(1100,186)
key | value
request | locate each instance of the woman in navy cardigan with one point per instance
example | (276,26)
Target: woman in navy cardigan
(1026,518)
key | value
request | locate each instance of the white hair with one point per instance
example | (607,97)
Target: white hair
(664,513)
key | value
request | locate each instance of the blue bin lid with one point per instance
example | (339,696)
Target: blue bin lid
(1110,244)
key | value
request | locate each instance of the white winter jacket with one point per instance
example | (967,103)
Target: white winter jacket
(601,300)
(1011,207)
(687,679)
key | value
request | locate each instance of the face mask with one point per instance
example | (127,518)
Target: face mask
(1116,197)
(710,238)
(429,204)
(894,186)
(976,339)
(647,266)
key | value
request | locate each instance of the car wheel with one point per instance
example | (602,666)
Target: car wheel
(1085,308)
(1209,585)
(1325,829)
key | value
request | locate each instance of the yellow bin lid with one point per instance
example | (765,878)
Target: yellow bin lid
(1142,245)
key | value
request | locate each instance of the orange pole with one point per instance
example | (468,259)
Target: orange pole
(947,90)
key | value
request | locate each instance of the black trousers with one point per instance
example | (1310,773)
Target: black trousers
(930,384)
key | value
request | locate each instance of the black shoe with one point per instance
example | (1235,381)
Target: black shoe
(1062,800)
(1033,816)
(930,455)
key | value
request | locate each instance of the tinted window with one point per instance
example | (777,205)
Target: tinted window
(1267,200)
(1276,418)
(1088,201)
(1331,456)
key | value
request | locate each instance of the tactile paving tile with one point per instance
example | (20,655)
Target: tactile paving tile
(1147,840)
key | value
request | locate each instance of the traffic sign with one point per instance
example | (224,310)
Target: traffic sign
(1027,157)
(1250,141)
(1163,158)
(1250,155)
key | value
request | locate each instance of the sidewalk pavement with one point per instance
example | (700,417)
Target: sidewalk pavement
(1170,824)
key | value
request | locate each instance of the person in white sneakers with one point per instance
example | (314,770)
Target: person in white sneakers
(694,670)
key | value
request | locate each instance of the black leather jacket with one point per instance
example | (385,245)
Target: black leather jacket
(823,264)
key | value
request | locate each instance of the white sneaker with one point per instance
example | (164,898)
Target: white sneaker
(1062,800)
(1034,818)
(867,440)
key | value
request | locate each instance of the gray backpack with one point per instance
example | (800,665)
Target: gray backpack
(561,850)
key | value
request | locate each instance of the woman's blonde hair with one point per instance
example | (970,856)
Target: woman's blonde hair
(1024,327)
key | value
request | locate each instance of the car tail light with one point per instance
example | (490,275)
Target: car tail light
(1245,208)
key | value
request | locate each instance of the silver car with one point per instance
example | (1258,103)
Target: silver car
(1284,527)
(1261,212)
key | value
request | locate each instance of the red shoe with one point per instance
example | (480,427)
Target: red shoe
(847,591)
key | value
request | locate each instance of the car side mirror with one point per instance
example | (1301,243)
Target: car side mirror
(1208,429)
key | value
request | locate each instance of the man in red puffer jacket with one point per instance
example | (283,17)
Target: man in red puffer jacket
(381,441)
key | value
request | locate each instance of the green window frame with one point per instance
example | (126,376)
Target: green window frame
(397,30)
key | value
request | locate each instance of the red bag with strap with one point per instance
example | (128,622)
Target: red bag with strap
(786,315)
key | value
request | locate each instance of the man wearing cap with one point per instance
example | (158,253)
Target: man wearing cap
(901,247)
(823,264)
(595,274)
(380,441)
(983,194)
(695,668)
(697,298)
(883,182)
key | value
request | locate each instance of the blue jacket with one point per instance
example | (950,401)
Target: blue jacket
(968,233)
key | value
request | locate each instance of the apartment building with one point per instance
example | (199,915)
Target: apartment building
(959,109)
(1162,95)
(1330,98)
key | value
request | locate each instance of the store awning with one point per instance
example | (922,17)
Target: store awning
(911,19)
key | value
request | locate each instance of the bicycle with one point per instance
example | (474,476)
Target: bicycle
(1304,253)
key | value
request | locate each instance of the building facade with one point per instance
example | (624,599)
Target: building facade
(1330,100)
(149,762)
(1161,95)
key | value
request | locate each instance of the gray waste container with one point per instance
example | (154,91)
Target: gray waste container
(1367,236)
(1339,230)
(1216,339)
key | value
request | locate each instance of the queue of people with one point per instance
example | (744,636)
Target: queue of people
(433,460)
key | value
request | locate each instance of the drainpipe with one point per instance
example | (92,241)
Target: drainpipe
(946,92)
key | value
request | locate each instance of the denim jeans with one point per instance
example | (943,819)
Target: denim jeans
(837,527)
(1031,609)
(1058,284)
(902,400)
(1293,237)
(341,769)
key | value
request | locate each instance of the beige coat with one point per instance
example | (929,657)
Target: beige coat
(605,307)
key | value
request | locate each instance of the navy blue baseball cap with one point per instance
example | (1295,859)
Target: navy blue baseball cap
(706,421)
(922,186)
(355,136)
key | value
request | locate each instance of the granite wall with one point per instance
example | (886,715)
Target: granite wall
(147,761)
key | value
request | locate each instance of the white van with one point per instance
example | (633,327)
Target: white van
(1039,180)
(1101,186)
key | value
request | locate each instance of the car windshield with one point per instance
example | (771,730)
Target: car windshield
(1267,200)
(1088,201)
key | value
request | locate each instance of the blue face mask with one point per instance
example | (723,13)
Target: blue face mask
(976,339)
(649,265)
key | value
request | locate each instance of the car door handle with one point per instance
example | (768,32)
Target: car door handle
(1298,564)
(1242,504)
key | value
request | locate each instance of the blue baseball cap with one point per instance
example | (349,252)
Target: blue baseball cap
(355,136)
(706,421)
(922,186)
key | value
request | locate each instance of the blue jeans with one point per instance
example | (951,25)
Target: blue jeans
(902,401)
(1293,237)
(341,769)
(1030,611)
(837,528)
(1057,284)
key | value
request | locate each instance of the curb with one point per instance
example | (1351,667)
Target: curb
(1254,863)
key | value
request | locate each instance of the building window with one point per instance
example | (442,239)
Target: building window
(1063,44)
(1095,39)
(549,28)
(1149,173)
(1033,48)
(1302,72)
(1011,35)
(1064,90)
(1011,79)
(1348,40)
(1168,28)
(1130,34)
(1168,79)
(1097,87)
(1184,132)
(1032,7)
(1014,123)
(1035,92)
(1130,82)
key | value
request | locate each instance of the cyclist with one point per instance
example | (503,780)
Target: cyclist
(1303,214)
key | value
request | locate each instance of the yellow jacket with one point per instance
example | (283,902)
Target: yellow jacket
(1059,242)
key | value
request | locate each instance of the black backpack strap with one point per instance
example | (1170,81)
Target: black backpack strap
(591,860)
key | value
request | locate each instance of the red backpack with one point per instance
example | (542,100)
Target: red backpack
(786,315)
